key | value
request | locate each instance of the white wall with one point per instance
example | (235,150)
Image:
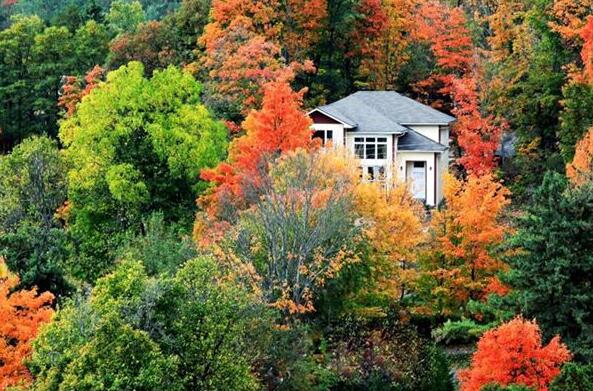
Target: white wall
(403,157)
(430,131)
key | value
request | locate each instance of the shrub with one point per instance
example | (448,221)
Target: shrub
(574,377)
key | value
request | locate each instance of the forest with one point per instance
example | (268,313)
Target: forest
(169,222)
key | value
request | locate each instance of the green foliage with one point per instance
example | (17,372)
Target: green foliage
(193,330)
(124,16)
(162,247)
(33,60)
(531,103)
(553,263)
(574,377)
(576,118)
(62,12)
(336,71)
(461,331)
(158,44)
(32,239)
(351,291)
(136,146)
(131,362)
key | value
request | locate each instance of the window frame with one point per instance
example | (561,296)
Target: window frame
(370,146)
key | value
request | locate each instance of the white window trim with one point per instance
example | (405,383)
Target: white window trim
(376,143)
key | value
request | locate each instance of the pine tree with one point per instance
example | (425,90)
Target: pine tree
(552,269)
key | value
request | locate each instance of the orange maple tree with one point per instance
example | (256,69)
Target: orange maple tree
(513,354)
(570,17)
(279,126)
(22,312)
(586,33)
(461,264)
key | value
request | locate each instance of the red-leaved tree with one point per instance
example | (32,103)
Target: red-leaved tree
(513,354)
(279,126)
(454,84)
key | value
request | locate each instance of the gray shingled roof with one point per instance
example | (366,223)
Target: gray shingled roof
(414,141)
(383,112)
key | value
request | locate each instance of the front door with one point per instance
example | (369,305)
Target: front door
(418,177)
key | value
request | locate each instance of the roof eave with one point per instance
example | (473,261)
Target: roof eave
(428,123)
(346,124)
(390,132)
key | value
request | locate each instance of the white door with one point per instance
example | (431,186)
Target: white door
(419,180)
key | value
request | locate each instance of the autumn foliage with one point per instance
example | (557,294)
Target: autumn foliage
(513,354)
(580,170)
(455,84)
(279,126)
(249,43)
(22,312)
(73,90)
(462,264)
(393,224)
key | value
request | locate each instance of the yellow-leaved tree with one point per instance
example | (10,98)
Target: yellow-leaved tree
(393,225)
(462,261)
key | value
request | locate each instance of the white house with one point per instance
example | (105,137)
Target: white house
(389,132)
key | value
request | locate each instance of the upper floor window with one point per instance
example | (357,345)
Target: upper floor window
(326,136)
(370,147)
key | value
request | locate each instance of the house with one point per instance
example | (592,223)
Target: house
(392,135)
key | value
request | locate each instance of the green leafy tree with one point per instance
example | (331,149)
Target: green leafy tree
(576,117)
(170,41)
(33,61)
(55,10)
(16,80)
(131,362)
(194,330)
(553,263)
(136,146)
(125,16)
(32,188)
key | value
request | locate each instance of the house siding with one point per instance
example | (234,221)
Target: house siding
(430,131)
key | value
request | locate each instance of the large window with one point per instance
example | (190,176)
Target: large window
(326,136)
(370,147)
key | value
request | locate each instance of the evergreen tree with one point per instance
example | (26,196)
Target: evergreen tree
(552,267)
